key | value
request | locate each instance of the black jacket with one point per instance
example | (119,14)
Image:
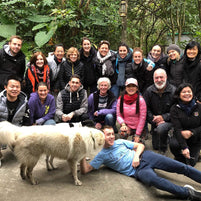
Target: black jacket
(192,75)
(181,121)
(89,67)
(66,72)
(10,65)
(159,104)
(175,72)
(113,77)
(161,63)
(140,72)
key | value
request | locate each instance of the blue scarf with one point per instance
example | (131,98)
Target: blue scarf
(187,108)
(121,63)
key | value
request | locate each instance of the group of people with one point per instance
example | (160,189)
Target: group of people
(106,86)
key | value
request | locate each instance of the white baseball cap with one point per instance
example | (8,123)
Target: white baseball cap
(131,81)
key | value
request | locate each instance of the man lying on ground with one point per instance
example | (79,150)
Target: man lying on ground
(141,164)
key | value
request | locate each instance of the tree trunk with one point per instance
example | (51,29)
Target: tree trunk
(199,7)
(172,25)
(124,27)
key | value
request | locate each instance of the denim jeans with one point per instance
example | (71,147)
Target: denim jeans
(115,90)
(49,122)
(110,120)
(146,174)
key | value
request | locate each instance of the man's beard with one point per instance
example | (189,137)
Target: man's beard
(160,86)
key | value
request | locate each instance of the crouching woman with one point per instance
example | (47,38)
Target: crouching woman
(186,119)
(42,106)
(131,111)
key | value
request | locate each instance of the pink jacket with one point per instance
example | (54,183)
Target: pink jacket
(132,120)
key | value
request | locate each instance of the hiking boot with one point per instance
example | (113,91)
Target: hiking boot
(193,194)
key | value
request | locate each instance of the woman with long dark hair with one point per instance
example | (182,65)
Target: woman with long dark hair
(123,56)
(42,106)
(186,119)
(140,69)
(157,56)
(38,71)
(54,61)
(105,63)
(88,57)
(131,111)
(192,67)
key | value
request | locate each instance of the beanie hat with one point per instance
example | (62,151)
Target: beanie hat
(174,47)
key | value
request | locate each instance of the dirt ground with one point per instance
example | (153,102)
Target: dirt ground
(100,185)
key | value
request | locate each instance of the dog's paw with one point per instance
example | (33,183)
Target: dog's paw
(34,182)
(55,168)
(23,177)
(49,169)
(78,182)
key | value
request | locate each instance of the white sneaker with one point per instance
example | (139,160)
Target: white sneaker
(193,194)
(189,186)
(88,159)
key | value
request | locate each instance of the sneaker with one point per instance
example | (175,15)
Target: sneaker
(193,194)
(88,159)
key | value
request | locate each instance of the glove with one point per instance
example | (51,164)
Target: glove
(150,62)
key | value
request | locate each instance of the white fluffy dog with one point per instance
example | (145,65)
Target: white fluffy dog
(88,123)
(71,144)
(7,138)
(49,159)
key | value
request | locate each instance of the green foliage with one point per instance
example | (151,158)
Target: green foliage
(198,36)
(43,23)
(42,37)
(39,18)
(2,43)
(7,30)
(39,26)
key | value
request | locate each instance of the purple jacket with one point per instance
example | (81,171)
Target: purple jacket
(38,111)
(92,101)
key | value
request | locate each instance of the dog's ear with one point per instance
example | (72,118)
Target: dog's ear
(98,138)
